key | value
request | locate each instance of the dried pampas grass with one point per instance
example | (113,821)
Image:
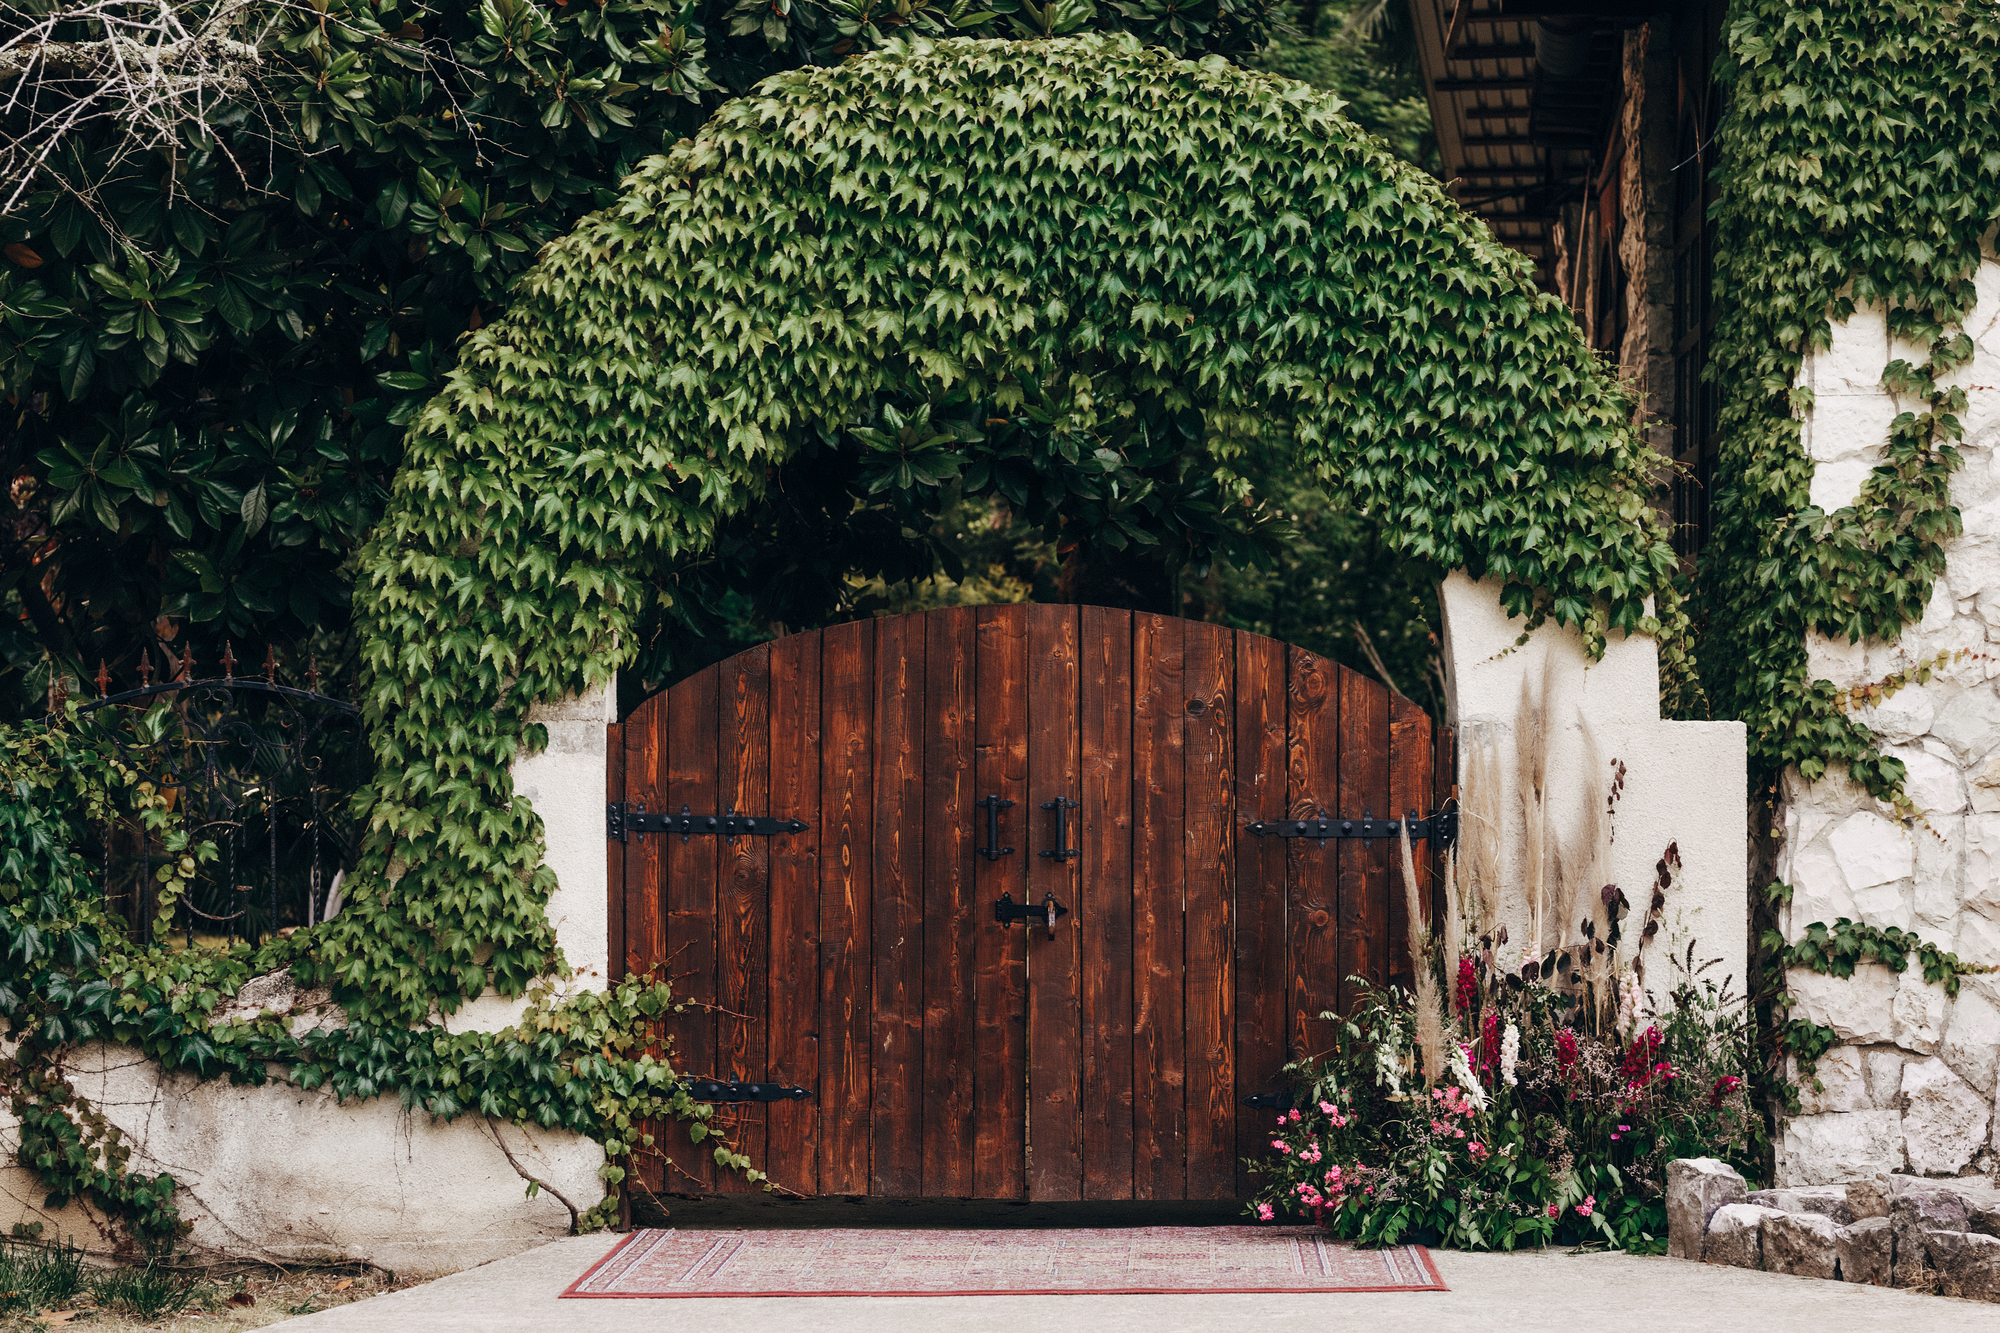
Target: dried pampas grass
(1531,751)
(1481,833)
(1423,984)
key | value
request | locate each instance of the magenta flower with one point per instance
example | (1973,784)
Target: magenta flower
(1263,1212)
(1555,1210)
(1589,1203)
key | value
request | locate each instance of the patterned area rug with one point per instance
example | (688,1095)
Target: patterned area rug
(1130,1261)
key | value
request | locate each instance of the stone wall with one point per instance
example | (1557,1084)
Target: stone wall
(1913,1085)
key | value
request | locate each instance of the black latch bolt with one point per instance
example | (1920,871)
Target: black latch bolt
(1047,912)
(619,820)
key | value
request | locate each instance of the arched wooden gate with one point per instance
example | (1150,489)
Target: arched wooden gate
(951,1055)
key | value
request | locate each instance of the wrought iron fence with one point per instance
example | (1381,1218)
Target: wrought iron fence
(264,770)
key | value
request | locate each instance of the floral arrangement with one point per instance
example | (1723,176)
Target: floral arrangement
(1518,1096)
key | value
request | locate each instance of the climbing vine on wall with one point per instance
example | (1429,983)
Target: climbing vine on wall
(1082,230)
(1858,167)
(1086,234)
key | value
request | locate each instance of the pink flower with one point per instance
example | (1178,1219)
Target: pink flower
(1555,1210)
(1295,1117)
(1332,1175)
(1478,1150)
(1584,1209)
(1281,1145)
(1263,1212)
(1328,1108)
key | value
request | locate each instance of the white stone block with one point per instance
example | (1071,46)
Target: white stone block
(1735,1236)
(1972,1033)
(1837,485)
(1871,850)
(1856,1007)
(1972,567)
(1834,1149)
(1918,1013)
(1982,865)
(1885,1078)
(1836,660)
(1819,893)
(1902,717)
(1886,905)
(1854,358)
(565,784)
(1969,722)
(1849,427)
(1945,1121)
(1839,1073)
(1940,886)
(1933,785)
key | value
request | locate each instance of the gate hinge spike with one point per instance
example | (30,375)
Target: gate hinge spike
(614,821)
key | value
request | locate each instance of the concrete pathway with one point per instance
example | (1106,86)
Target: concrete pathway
(1552,1290)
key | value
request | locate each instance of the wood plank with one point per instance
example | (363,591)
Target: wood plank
(1409,791)
(792,1128)
(1159,712)
(951,919)
(646,894)
(1055,1124)
(614,858)
(897,1023)
(1312,764)
(691,919)
(1261,1008)
(1209,670)
(1366,883)
(1000,1108)
(847,863)
(1444,796)
(1104,906)
(743,944)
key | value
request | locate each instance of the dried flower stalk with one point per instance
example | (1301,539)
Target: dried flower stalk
(1429,1010)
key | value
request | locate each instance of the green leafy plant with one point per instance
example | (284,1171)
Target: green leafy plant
(150,1292)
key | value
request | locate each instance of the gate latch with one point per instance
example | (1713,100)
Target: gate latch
(620,820)
(1046,912)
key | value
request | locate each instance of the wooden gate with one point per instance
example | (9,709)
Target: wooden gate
(953,1056)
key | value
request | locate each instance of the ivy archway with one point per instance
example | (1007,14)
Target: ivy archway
(1083,227)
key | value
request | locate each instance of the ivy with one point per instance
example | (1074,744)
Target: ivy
(960,234)
(1836,950)
(1857,168)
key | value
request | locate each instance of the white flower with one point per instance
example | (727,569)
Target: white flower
(1631,1005)
(1510,1053)
(1468,1082)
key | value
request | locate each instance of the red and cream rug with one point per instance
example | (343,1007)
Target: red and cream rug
(1132,1261)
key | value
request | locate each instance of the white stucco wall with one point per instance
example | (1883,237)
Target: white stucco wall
(1685,782)
(1914,1086)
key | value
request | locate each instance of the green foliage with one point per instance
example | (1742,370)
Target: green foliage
(1364,52)
(1569,1143)
(1122,248)
(35,1277)
(212,350)
(1836,950)
(1857,167)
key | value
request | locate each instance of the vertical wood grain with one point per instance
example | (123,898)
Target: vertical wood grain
(1104,903)
(1409,790)
(1209,668)
(847,862)
(897,1060)
(614,858)
(952,923)
(1000,1111)
(1055,1126)
(691,917)
(1159,847)
(646,889)
(1365,880)
(1261,975)
(1312,872)
(793,987)
(743,898)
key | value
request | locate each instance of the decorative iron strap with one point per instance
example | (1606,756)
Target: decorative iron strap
(620,820)
(715,1090)
(1441,825)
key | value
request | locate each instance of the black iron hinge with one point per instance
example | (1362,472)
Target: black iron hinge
(619,820)
(1441,826)
(715,1090)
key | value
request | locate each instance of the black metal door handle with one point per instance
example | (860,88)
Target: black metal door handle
(993,805)
(1062,851)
